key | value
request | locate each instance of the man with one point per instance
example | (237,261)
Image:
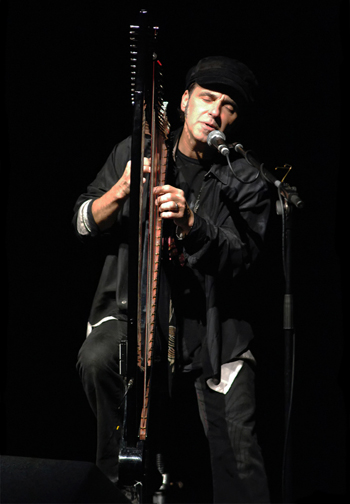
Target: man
(217,213)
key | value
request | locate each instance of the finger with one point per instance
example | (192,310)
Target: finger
(170,209)
(164,189)
(168,215)
(147,165)
(163,198)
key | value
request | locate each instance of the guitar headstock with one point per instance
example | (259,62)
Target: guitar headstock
(143,39)
(146,73)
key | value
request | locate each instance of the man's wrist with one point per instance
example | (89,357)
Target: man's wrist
(184,228)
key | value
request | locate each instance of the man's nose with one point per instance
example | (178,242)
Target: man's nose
(215,109)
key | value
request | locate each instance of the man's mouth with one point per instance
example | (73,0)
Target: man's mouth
(210,126)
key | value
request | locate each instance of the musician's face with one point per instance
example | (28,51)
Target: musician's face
(206,110)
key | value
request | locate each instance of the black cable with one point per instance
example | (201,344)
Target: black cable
(238,178)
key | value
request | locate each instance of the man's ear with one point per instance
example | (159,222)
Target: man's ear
(184,100)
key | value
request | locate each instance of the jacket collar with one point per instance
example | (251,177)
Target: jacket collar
(220,171)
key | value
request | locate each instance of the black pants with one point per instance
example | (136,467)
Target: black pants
(98,367)
(237,466)
(236,463)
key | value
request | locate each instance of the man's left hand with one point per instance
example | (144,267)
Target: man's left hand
(172,204)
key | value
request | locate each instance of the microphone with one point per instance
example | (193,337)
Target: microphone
(217,139)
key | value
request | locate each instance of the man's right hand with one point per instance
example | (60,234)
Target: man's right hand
(105,209)
(123,185)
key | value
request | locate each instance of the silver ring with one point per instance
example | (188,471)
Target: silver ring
(177,207)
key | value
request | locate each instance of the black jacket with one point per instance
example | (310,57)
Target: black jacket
(227,234)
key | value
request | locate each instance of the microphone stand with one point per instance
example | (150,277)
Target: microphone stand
(288,200)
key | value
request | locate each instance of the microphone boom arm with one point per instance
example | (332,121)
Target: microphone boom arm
(288,192)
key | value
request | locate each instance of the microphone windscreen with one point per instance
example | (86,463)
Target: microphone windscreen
(214,136)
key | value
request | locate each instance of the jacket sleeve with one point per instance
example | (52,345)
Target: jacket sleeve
(83,221)
(227,241)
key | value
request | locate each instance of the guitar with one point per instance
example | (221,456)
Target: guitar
(137,460)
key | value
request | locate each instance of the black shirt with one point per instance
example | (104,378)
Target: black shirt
(190,304)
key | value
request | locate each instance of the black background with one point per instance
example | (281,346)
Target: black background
(67,102)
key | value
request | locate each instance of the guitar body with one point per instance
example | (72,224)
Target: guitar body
(131,464)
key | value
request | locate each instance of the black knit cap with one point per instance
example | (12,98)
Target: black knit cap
(224,75)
